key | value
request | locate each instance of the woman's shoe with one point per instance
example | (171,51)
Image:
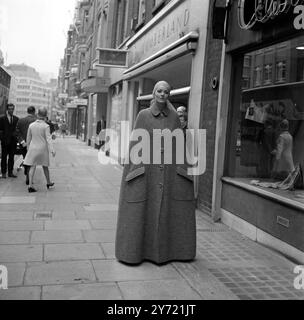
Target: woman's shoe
(31,190)
(50,185)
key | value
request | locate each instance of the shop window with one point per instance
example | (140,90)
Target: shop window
(257,76)
(281,71)
(266,126)
(246,72)
(268,74)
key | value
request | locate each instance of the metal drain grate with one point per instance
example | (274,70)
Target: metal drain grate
(43,215)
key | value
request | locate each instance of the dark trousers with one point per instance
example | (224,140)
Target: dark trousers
(8,151)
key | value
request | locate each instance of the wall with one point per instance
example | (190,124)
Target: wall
(209,115)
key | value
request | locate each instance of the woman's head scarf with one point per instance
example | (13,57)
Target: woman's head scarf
(159,84)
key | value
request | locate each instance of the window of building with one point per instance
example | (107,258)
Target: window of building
(157,5)
(142,12)
(281,72)
(266,126)
(120,24)
(268,73)
(257,76)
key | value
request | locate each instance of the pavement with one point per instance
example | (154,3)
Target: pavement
(59,244)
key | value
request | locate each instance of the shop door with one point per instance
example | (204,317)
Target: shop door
(82,123)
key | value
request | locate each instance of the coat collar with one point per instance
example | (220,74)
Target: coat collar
(156,112)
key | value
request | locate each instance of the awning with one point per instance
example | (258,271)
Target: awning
(183,46)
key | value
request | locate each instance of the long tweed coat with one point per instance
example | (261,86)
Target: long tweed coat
(156,218)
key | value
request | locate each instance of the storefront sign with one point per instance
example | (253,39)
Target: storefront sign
(171,28)
(63,96)
(112,57)
(71,106)
(251,13)
(80,102)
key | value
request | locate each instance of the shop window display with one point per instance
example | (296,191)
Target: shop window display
(267,118)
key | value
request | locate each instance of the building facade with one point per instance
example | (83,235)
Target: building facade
(5,80)
(164,40)
(261,85)
(30,90)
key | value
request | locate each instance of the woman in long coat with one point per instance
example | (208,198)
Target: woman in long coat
(39,143)
(156,217)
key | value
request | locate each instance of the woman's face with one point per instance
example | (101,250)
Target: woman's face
(162,94)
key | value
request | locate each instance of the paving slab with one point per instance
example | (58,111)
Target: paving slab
(68,225)
(109,250)
(208,286)
(97,291)
(101,207)
(158,290)
(16,215)
(57,236)
(104,224)
(20,253)
(112,270)
(104,236)
(96,215)
(16,273)
(83,251)
(7,225)
(14,237)
(64,215)
(22,293)
(68,272)
(17,200)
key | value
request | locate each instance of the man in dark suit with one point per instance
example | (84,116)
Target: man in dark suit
(8,123)
(22,128)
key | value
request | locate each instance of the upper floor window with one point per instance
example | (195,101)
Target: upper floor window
(121,11)
(257,76)
(281,73)
(141,12)
(268,73)
(157,4)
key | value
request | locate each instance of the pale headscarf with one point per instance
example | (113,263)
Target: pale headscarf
(159,84)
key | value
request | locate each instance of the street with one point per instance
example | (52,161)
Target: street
(59,244)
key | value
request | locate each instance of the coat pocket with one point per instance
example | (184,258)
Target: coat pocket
(136,185)
(183,188)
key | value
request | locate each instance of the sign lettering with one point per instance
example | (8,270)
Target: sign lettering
(261,11)
(170,29)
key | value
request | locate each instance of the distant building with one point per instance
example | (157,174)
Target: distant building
(30,89)
(4,89)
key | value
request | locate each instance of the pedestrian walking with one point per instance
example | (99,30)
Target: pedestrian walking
(39,142)
(63,129)
(22,129)
(8,137)
(156,216)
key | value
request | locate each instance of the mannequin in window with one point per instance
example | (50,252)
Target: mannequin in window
(267,145)
(283,163)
